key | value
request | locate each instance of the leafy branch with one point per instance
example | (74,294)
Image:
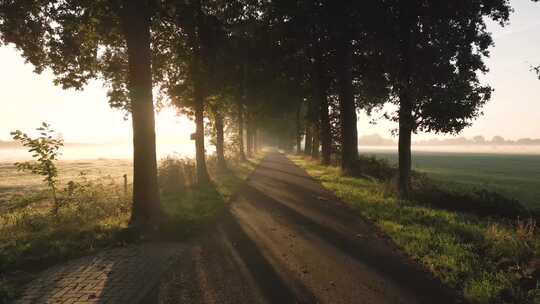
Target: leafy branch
(45,151)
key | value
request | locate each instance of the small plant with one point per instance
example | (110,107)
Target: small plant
(536,69)
(45,150)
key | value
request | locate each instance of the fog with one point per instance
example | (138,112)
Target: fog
(501,149)
(124,151)
(106,151)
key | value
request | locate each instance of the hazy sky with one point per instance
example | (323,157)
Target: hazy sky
(514,111)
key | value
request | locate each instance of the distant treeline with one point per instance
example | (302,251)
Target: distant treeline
(377,140)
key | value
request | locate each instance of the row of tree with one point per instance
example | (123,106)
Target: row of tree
(280,71)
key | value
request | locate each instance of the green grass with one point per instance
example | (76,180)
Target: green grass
(95,216)
(515,176)
(487,261)
(195,207)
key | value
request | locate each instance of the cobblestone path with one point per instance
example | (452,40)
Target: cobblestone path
(123,275)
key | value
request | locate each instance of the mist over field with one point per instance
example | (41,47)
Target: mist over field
(13,153)
(10,152)
(487,149)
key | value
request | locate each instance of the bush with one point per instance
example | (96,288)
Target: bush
(424,190)
(176,174)
(373,167)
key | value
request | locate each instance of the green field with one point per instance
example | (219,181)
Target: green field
(513,175)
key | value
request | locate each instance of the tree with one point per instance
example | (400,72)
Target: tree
(84,40)
(537,70)
(218,120)
(435,51)
(136,18)
(479,139)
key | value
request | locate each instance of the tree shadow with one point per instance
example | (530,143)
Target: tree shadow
(372,252)
(226,249)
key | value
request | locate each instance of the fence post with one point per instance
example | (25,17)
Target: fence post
(125,185)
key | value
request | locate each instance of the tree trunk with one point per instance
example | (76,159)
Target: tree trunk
(242,155)
(326,135)
(321,86)
(220,141)
(404,145)
(202,172)
(309,140)
(249,137)
(315,147)
(298,130)
(255,140)
(136,24)
(406,98)
(349,132)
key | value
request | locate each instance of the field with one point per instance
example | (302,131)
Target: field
(95,211)
(15,184)
(513,175)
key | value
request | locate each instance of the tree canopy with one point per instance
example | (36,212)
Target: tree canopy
(285,73)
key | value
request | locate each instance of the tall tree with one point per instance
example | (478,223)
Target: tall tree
(84,40)
(136,26)
(435,54)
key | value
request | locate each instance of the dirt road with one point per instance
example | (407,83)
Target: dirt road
(287,240)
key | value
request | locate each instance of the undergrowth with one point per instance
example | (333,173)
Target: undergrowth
(481,202)
(94,213)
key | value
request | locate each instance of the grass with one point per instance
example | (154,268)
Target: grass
(194,207)
(512,175)
(95,215)
(486,260)
(17,186)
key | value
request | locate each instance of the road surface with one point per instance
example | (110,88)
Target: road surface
(287,240)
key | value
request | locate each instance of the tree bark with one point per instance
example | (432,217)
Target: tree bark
(315,147)
(349,144)
(220,140)
(326,135)
(200,157)
(298,129)
(406,99)
(249,137)
(255,140)
(199,94)
(241,152)
(321,87)
(146,202)
(404,145)
(308,140)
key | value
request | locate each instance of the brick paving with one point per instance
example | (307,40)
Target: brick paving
(123,275)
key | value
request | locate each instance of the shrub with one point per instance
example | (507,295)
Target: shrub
(374,167)
(175,174)
(480,202)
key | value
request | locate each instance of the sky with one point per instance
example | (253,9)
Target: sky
(27,99)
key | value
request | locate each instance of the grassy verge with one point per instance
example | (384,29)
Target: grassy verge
(488,260)
(95,215)
(511,175)
(194,207)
